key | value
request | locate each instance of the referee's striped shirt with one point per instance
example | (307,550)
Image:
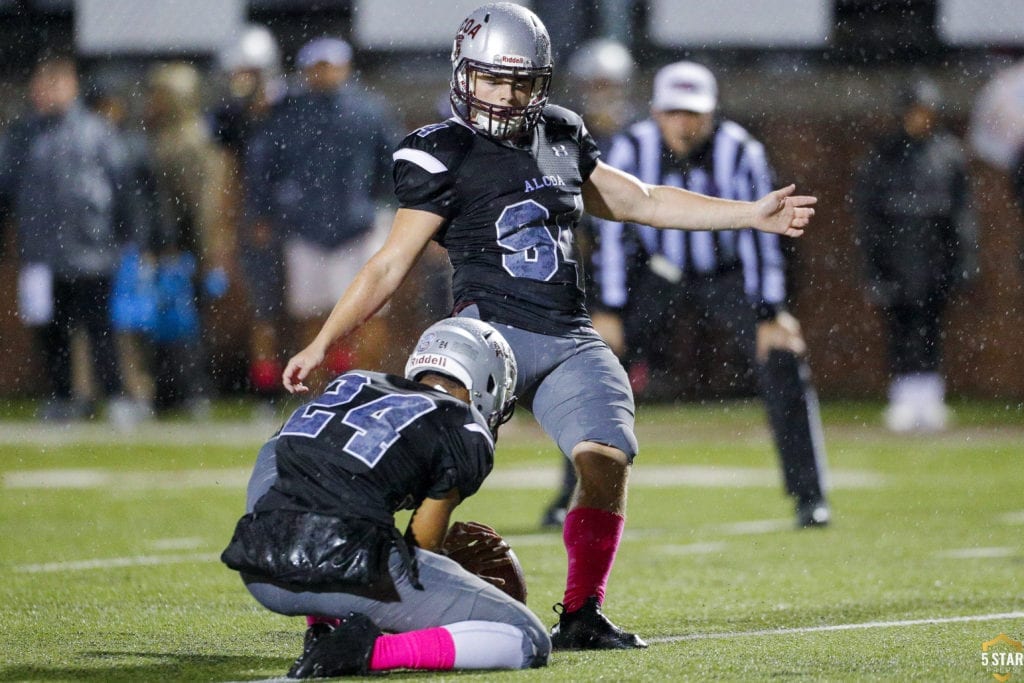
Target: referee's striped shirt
(731,165)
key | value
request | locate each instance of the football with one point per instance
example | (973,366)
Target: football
(480,550)
(512,576)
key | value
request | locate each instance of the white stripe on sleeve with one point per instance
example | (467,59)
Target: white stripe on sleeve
(427,162)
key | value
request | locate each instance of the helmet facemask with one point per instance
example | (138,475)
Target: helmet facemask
(505,403)
(495,120)
(501,41)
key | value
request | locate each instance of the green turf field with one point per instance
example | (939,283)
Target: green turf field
(109,545)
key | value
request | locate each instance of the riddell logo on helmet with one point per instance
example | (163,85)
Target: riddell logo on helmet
(430,359)
(510,60)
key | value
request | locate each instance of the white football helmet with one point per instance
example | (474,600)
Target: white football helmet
(475,354)
(602,59)
(500,39)
(256,49)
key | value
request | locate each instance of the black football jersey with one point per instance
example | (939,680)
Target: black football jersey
(373,444)
(511,212)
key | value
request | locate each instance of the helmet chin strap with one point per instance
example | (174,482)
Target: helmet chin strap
(499,128)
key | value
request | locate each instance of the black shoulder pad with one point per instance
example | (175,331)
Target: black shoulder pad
(439,137)
(560,116)
(447,140)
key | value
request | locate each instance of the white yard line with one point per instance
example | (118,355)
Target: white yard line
(977,553)
(690,548)
(96,478)
(535,477)
(190,543)
(756,526)
(838,627)
(1012,518)
(114,562)
(237,433)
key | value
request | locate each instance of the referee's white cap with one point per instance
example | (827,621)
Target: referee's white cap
(685,86)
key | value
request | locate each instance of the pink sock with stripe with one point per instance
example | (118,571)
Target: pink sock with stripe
(430,648)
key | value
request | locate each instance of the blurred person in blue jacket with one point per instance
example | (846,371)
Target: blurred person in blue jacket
(132,299)
(313,174)
(191,242)
(63,172)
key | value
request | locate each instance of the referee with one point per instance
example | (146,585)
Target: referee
(731,280)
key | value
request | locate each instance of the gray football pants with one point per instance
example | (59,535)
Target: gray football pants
(450,594)
(574,385)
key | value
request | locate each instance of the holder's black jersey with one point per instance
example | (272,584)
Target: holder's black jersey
(510,215)
(373,444)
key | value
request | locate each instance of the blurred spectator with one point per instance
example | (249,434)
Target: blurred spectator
(63,168)
(252,66)
(191,244)
(133,304)
(729,281)
(918,234)
(600,71)
(599,74)
(313,172)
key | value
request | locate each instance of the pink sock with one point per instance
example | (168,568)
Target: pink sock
(430,648)
(591,539)
(330,621)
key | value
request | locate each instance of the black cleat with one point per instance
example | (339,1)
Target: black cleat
(343,651)
(313,634)
(588,629)
(812,513)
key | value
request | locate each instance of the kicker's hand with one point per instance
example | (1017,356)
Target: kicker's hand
(299,367)
(782,213)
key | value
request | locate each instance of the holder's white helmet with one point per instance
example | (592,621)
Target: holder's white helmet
(500,39)
(475,354)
